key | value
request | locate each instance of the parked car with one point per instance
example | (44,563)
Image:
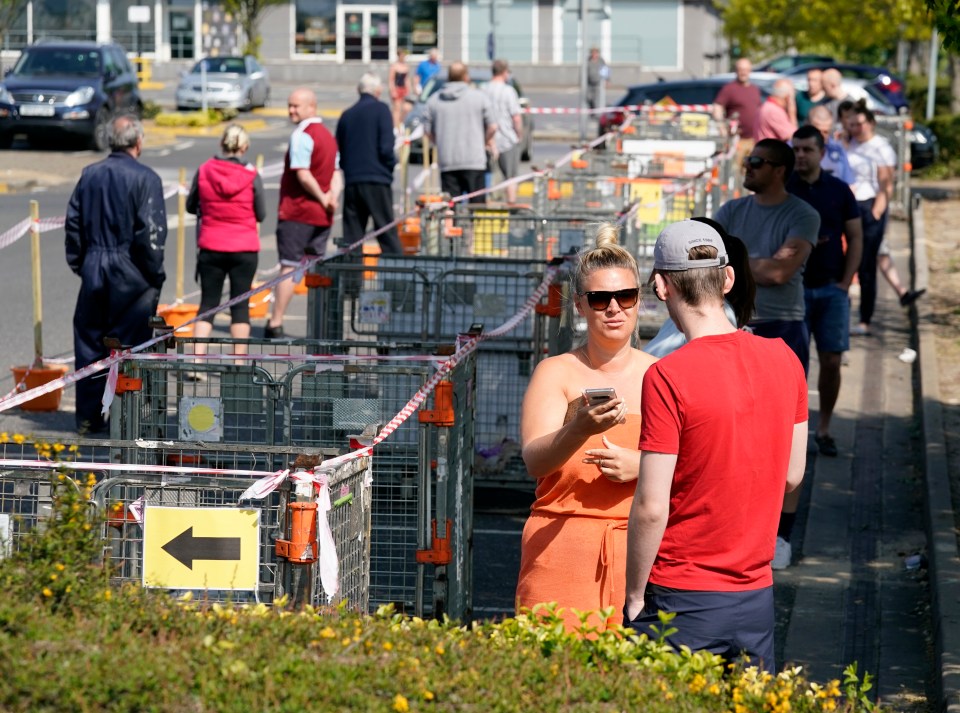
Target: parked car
(67,89)
(784,62)
(681,91)
(478,77)
(887,83)
(231,83)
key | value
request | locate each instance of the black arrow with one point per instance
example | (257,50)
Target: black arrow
(185,548)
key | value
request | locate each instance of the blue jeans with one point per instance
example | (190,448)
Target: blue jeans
(828,317)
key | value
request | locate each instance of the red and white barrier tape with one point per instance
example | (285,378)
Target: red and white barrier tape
(672,108)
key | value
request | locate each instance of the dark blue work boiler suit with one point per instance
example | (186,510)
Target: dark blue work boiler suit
(116,228)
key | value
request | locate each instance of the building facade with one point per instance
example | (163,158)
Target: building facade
(639,38)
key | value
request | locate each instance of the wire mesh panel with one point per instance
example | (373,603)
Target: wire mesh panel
(207,401)
(328,402)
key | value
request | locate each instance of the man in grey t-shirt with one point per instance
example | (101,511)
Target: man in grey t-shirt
(779,231)
(459,120)
(506,114)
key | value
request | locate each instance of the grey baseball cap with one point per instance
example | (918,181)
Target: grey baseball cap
(672,251)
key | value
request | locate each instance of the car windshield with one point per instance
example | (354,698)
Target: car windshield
(221,65)
(59,62)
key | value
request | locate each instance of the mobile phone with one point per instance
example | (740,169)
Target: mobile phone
(599,396)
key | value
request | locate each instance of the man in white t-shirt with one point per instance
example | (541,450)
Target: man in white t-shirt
(507,115)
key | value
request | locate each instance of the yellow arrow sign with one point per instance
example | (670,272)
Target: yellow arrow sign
(201,548)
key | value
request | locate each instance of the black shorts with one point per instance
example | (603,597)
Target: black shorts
(456,183)
(294,238)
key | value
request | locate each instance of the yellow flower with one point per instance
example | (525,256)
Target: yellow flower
(74,448)
(714,689)
(58,447)
(47,592)
(91,479)
(53,577)
(345,640)
(328,633)
(4,437)
(107,595)
(19,439)
(387,646)
(401,704)
(439,650)
(428,695)
(59,567)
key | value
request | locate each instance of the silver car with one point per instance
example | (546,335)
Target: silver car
(228,82)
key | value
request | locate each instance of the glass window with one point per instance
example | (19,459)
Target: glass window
(645,32)
(571,24)
(316,27)
(133,36)
(514,29)
(221,65)
(65,19)
(417,25)
(48,61)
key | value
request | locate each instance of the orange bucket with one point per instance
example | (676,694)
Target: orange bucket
(259,303)
(32,377)
(410,236)
(176,315)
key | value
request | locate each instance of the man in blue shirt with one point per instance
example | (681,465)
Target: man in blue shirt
(835,159)
(829,271)
(427,68)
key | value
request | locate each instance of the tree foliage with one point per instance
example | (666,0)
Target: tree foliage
(9,11)
(247,13)
(763,27)
(946,16)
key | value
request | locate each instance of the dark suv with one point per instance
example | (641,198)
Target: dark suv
(68,89)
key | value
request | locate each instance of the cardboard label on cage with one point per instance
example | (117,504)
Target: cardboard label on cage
(374,307)
(201,419)
(201,548)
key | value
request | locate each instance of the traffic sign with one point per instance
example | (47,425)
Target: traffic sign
(201,548)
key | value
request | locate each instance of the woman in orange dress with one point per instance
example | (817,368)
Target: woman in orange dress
(585,458)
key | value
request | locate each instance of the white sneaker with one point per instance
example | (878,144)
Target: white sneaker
(782,555)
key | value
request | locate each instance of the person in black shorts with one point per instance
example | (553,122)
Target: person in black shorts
(228,199)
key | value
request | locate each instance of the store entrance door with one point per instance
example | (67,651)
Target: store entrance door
(366,33)
(181,33)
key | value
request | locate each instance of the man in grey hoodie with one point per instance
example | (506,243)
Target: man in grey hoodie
(459,120)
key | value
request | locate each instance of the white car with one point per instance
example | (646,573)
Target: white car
(228,82)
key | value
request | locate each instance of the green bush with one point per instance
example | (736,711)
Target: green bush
(211,117)
(150,109)
(68,641)
(916,93)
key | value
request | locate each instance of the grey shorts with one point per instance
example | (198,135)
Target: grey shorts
(509,162)
(294,238)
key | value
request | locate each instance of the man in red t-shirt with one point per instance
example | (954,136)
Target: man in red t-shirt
(740,99)
(724,435)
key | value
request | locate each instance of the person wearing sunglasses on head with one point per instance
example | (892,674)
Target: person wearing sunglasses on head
(780,231)
(581,451)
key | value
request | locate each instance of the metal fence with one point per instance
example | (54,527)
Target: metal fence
(158,528)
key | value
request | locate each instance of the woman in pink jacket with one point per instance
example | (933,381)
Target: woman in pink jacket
(228,199)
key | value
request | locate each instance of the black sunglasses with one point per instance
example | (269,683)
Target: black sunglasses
(600,299)
(758,161)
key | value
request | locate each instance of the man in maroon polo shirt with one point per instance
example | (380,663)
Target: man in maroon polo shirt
(309,190)
(740,99)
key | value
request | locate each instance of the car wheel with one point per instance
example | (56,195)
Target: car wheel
(99,140)
(248,102)
(6,141)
